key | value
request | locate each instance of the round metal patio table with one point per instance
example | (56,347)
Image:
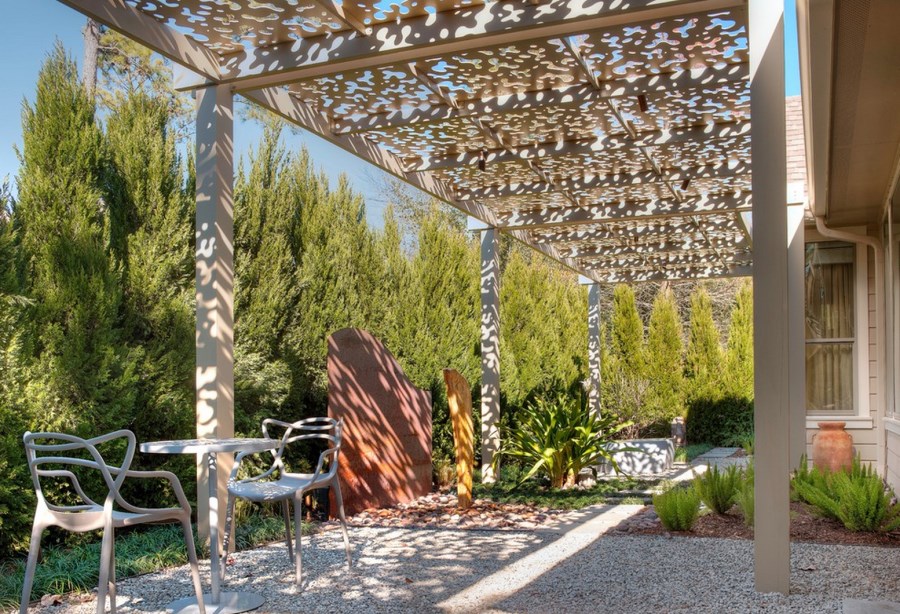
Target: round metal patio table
(218,601)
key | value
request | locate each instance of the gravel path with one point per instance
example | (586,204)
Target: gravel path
(572,566)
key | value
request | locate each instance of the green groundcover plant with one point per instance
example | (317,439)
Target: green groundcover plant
(76,568)
(558,438)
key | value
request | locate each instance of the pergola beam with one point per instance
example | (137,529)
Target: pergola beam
(607,181)
(441,34)
(573,95)
(153,34)
(645,210)
(650,248)
(654,230)
(582,147)
(673,274)
(704,258)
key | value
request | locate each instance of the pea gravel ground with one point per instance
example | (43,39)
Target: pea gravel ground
(572,567)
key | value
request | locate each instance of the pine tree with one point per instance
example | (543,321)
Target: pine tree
(82,376)
(739,353)
(704,360)
(664,360)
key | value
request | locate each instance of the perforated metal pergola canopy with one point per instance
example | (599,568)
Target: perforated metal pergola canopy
(611,135)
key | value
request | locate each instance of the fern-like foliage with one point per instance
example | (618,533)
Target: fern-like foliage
(744,498)
(677,508)
(718,489)
(857,497)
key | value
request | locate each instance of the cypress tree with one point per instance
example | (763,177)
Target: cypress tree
(82,377)
(446,271)
(703,361)
(266,288)
(739,353)
(627,331)
(155,248)
(664,359)
(16,493)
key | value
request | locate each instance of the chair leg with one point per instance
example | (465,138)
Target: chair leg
(192,557)
(112,578)
(103,585)
(33,551)
(298,561)
(340,505)
(226,541)
(286,509)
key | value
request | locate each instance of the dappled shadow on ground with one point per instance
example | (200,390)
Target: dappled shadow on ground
(572,566)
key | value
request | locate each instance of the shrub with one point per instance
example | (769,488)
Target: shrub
(857,498)
(718,489)
(726,421)
(744,498)
(558,438)
(677,508)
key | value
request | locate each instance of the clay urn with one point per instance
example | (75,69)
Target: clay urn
(832,447)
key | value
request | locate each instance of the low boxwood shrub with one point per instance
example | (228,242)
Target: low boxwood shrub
(677,508)
(725,421)
(718,489)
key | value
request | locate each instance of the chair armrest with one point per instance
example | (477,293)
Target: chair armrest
(237,465)
(159,474)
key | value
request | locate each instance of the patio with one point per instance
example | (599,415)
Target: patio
(571,564)
(615,138)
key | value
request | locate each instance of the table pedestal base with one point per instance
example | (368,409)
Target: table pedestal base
(229,603)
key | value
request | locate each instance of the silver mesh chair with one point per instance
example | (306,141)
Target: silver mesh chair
(56,456)
(277,484)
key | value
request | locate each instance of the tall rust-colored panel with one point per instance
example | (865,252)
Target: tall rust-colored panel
(386,451)
(459,398)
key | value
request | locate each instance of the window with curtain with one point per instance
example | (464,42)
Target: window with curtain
(830,334)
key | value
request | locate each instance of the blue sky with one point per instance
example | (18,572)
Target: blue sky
(33,26)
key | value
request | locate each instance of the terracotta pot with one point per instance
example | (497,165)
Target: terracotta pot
(832,447)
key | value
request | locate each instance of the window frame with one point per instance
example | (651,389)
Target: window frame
(860,414)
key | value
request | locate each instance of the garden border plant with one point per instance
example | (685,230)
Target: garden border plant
(558,438)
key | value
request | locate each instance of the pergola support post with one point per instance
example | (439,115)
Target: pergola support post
(770,301)
(214,284)
(796,333)
(490,352)
(594,348)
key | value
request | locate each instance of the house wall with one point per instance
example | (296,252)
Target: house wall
(863,426)
(892,336)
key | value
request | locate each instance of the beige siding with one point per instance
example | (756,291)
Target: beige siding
(893,460)
(872,336)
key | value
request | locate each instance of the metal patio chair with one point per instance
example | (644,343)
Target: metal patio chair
(55,456)
(277,484)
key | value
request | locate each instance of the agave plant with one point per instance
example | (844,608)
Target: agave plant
(559,437)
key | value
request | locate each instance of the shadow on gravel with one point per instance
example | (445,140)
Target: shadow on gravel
(569,568)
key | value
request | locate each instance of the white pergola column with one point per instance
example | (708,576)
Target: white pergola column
(214,284)
(490,352)
(594,348)
(796,333)
(770,312)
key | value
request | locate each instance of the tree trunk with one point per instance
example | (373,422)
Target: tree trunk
(91,34)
